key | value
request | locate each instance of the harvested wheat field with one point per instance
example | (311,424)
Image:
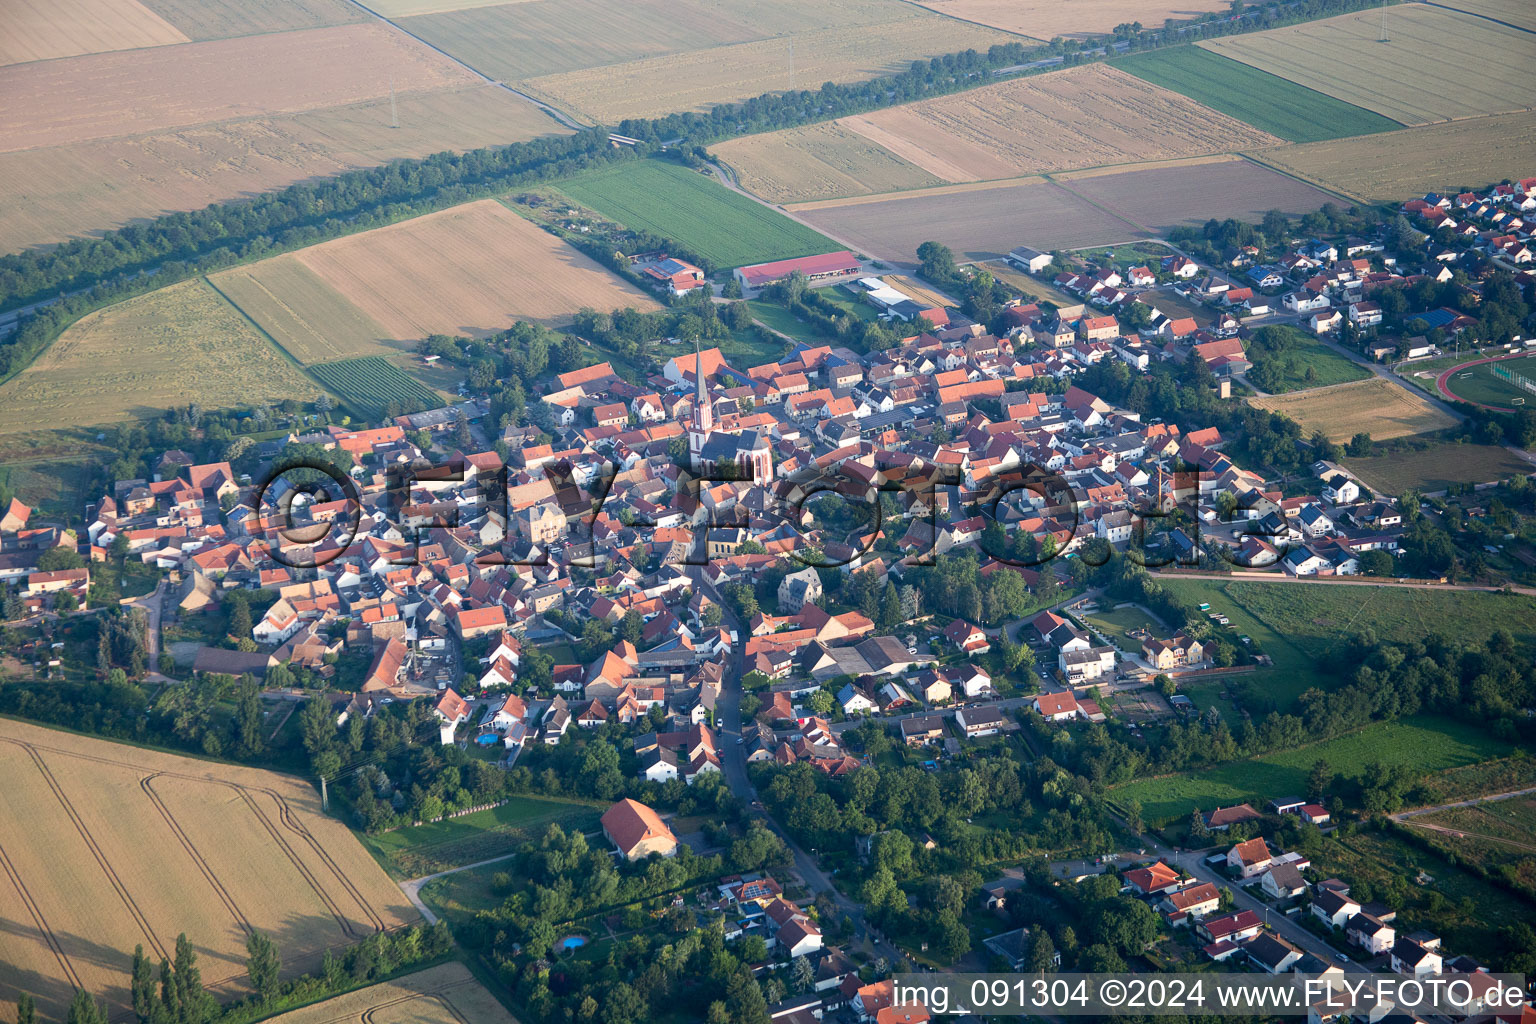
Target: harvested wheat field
(1378,407)
(978,222)
(700,79)
(1513,12)
(62,191)
(434,996)
(1188,193)
(142,356)
(921,292)
(46,29)
(474,269)
(222,19)
(305,316)
(1047,19)
(102,95)
(410,8)
(1449,158)
(125,846)
(821,161)
(1438,64)
(1081,117)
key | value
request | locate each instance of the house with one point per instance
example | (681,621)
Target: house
(1232,927)
(922,729)
(512,710)
(1179,651)
(1084,666)
(1341,490)
(1415,958)
(1272,953)
(855,701)
(967,638)
(451,711)
(1370,933)
(1249,858)
(1223,818)
(636,831)
(799,589)
(1191,904)
(1154,879)
(1283,881)
(978,722)
(1334,908)
(1057,707)
(1324,321)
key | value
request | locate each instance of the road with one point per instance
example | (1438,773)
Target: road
(412,887)
(1404,817)
(151,604)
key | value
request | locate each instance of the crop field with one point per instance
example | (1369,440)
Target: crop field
(699,79)
(1046,19)
(410,8)
(137,358)
(104,95)
(1028,285)
(668,199)
(1513,12)
(1438,64)
(303,314)
(472,269)
(1476,383)
(47,29)
(53,193)
(1162,198)
(979,222)
(1380,408)
(1268,102)
(917,290)
(222,19)
(428,849)
(820,161)
(1081,117)
(1437,467)
(1423,744)
(126,846)
(371,384)
(448,992)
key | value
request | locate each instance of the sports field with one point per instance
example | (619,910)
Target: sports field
(1436,64)
(1422,744)
(448,992)
(126,846)
(1378,407)
(473,269)
(1477,382)
(46,29)
(1438,467)
(170,347)
(1457,156)
(820,161)
(693,209)
(1268,102)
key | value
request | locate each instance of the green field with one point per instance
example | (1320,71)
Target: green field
(782,320)
(1423,744)
(1268,102)
(1437,467)
(1115,623)
(1305,353)
(370,385)
(670,200)
(427,849)
(1478,384)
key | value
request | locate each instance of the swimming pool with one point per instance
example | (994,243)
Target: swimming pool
(571,942)
(487,739)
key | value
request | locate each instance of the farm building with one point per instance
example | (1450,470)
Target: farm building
(815,268)
(1032,260)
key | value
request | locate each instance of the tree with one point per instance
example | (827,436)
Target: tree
(744,999)
(26,1010)
(1042,952)
(1197,826)
(263,964)
(85,1010)
(55,559)
(803,973)
(142,987)
(239,617)
(1318,780)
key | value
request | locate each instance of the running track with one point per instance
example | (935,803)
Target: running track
(1445,392)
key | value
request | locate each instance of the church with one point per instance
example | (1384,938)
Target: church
(710,450)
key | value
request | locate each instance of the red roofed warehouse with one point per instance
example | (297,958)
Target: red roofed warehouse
(830,264)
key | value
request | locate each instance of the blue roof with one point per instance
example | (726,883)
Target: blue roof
(1435,317)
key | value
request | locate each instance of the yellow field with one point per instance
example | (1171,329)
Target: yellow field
(170,347)
(920,292)
(302,313)
(474,269)
(1515,12)
(45,29)
(1046,19)
(821,161)
(408,8)
(438,994)
(222,19)
(58,192)
(1438,65)
(1447,157)
(1378,407)
(699,79)
(124,846)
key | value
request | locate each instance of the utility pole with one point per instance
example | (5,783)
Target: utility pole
(1384,38)
(325,799)
(394,114)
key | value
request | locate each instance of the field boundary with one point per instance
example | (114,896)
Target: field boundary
(292,359)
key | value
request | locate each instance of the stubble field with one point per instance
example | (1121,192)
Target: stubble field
(303,314)
(137,358)
(821,161)
(1046,19)
(1081,117)
(54,193)
(56,103)
(444,993)
(125,846)
(473,269)
(224,19)
(1450,157)
(1377,407)
(46,29)
(1514,12)
(1438,64)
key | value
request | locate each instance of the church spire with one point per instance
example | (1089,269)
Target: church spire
(703,412)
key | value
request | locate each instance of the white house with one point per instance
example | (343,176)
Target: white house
(451,711)
(1324,321)
(1341,490)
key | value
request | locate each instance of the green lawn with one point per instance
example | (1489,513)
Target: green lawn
(1437,467)
(1294,670)
(1421,743)
(1303,354)
(426,849)
(1116,622)
(752,346)
(785,322)
(674,202)
(1268,102)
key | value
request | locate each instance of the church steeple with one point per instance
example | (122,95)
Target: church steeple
(703,411)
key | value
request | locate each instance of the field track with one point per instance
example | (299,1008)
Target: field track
(276,821)
(444,994)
